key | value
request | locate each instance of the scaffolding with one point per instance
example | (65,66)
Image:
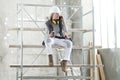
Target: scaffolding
(20,46)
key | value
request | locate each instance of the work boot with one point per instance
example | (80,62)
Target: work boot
(50,59)
(63,65)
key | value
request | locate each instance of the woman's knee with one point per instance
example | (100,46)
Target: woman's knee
(69,44)
(48,41)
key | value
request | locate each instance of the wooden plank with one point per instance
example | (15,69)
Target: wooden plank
(102,74)
(40,46)
(55,65)
(42,29)
(27,29)
(98,75)
(26,46)
(97,70)
(55,77)
(91,60)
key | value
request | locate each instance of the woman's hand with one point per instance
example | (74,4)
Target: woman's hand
(51,34)
(66,36)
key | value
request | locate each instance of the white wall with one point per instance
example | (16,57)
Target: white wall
(106,19)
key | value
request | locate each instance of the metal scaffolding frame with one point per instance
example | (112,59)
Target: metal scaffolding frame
(20,46)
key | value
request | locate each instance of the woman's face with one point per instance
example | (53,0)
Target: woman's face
(55,16)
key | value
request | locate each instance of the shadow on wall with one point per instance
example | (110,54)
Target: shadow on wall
(111,61)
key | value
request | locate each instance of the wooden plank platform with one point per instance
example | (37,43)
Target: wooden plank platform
(42,29)
(55,65)
(40,46)
(55,77)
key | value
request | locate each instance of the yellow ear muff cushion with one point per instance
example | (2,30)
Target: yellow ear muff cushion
(54,22)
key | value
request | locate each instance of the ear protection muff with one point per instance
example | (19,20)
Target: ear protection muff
(55,22)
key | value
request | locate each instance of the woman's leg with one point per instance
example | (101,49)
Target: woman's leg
(68,48)
(48,43)
(67,44)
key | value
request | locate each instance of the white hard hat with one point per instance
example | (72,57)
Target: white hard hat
(54,9)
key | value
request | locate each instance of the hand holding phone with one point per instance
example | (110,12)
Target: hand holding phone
(52,34)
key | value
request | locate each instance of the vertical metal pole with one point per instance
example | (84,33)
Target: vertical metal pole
(17,71)
(115,31)
(82,38)
(82,44)
(57,60)
(18,57)
(21,42)
(107,33)
(100,23)
(94,55)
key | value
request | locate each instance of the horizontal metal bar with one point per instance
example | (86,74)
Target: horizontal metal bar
(43,21)
(40,46)
(42,29)
(42,5)
(78,30)
(55,65)
(27,29)
(32,20)
(55,77)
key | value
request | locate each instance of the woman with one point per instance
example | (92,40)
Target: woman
(55,35)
